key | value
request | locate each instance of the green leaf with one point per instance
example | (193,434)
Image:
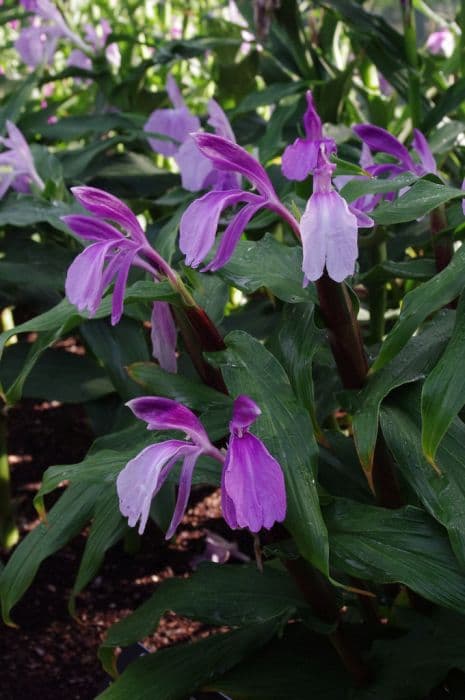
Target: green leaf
(108,526)
(413,362)
(442,495)
(157,382)
(371,185)
(18,98)
(421,303)
(173,674)
(417,662)
(443,392)
(65,520)
(448,103)
(270,95)
(285,670)
(267,263)
(422,197)
(395,546)
(85,380)
(417,269)
(25,211)
(217,595)
(285,427)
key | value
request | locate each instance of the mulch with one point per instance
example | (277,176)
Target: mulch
(50,654)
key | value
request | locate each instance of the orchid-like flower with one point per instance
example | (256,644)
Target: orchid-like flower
(329,226)
(176,125)
(97,39)
(441,43)
(378,139)
(199,222)
(17,169)
(253,490)
(36,44)
(112,252)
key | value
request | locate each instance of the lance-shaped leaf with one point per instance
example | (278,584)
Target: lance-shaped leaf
(421,303)
(441,494)
(396,546)
(443,392)
(67,517)
(286,430)
(422,197)
(413,362)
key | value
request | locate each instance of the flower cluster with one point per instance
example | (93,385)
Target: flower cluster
(252,486)
(97,39)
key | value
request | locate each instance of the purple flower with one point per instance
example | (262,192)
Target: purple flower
(200,221)
(301,158)
(441,43)
(17,168)
(329,226)
(329,229)
(176,125)
(97,39)
(36,44)
(52,26)
(378,139)
(253,490)
(111,254)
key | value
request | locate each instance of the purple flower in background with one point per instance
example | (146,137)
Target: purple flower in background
(36,44)
(47,27)
(17,168)
(97,39)
(441,43)
(109,259)
(176,125)
(253,490)
(199,222)
(377,139)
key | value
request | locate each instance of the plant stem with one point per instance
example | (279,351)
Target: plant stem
(9,534)
(377,296)
(442,245)
(410,44)
(344,332)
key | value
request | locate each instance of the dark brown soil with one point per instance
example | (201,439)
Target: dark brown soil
(51,655)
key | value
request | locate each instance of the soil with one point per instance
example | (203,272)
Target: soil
(51,654)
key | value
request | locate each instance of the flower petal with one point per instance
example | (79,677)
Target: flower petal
(174,93)
(185,483)
(245,412)
(124,259)
(143,476)
(193,166)
(254,482)
(166,414)
(219,121)
(312,121)
(91,229)
(378,139)
(164,336)
(299,159)
(233,233)
(421,146)
(175,124)
(84,281)
(107,206)
(329,236)
(228,156)
(200,221)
